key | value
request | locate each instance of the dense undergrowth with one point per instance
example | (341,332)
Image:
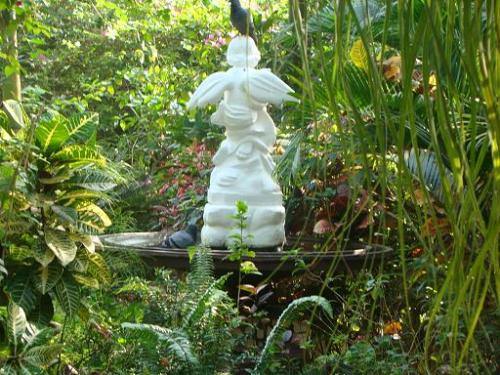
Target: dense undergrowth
(395,142)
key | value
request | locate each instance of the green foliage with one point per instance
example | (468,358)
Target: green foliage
(198,334)
(399,94)
(48,217)
(383,357)
(291,313)
(396,142)
(31,351)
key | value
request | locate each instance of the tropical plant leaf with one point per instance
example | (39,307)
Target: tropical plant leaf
(98,268)
(8,370)
(87,225)
(43,254)
(94,180)
(358,54)
(56,179)
(287,317)
(21,290)
(85,240)
(51,132)
(82,194)
(97,211)
(81,128)
(16,323)
(81,262)
(15,112)
(46,278)
(68,295)
(3,270)
(43,312)
(61,245)
(80,154)
(41,356)
(66,214)
(37,337)
(85,280)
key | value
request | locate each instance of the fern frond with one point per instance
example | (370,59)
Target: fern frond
(290,314)
(201,275)
(178,343)
(206,300)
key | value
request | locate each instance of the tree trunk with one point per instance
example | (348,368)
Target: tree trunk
(11,87)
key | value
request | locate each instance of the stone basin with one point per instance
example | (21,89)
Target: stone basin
(313,253)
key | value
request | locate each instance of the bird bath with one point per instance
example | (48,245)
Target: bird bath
(283,260)
(244,171)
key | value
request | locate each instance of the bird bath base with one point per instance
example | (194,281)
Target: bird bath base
(314,254)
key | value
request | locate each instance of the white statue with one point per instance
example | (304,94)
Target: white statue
(243,164)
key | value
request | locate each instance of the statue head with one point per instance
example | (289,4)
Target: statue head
(242,52)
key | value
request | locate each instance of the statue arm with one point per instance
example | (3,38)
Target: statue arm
(210,91)
(264,86)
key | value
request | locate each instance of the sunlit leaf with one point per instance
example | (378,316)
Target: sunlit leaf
(61,245)
(358,54)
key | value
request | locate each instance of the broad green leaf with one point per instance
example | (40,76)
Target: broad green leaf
(43,255)
(82,195)
(46,278)
(93,180)
(68,295)
(41,356)
(55,180)
(88,281)
(61,245)
(97,211)
(426,162)
(79,153)
(88,226)
(98,268)
(3,270)
(85,240)
(66,214)
(43,312)
(21,290)
(81,262)
(81,128)
(14,110)
(16,323)
(35,337)
(51,132)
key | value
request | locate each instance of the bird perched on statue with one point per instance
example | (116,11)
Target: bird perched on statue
(182,239)
(241,19)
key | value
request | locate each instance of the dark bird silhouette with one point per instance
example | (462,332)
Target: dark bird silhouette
(182,239)
(241,19)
